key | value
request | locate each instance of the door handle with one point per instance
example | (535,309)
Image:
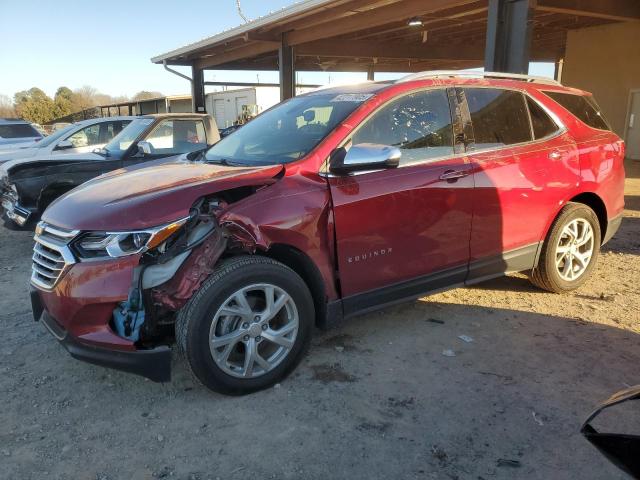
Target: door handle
(452,176)
(555,155)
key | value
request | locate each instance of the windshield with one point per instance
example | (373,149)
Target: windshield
(121,142)
(287,132)
(55,136)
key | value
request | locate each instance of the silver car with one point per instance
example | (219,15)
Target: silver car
(80,137)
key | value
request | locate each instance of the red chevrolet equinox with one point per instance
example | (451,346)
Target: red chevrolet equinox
(328,205)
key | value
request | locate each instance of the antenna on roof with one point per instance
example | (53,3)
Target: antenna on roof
(245,19)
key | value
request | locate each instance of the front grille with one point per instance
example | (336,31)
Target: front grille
(51,255)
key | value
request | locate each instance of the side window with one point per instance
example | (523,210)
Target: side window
(111,129)
(419,124)
(177,136)
(86,137)
(499,117)
(542,124)
(583,107)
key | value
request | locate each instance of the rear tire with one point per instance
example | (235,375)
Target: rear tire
(237,341)
(570,251)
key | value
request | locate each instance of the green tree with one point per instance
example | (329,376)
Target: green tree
(63,100)
(34,105)
(145,95)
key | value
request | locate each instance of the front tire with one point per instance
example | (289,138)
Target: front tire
(247,327)
(570,251)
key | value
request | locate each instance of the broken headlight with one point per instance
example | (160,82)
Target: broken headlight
(93,245)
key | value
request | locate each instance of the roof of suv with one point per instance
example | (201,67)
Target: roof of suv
(13,121)
(451,78)
(170,115)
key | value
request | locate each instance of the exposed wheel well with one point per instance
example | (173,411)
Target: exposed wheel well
(300,263)
(50,193)
(596,204)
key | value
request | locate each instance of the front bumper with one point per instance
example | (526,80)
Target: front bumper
(154,364)
(14,211)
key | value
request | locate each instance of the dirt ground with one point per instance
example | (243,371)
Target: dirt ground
(376,398)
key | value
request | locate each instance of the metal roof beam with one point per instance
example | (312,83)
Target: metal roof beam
(369,49)
(373,18)
(617,10)
(246,51)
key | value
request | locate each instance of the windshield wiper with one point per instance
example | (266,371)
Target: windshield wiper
(222,161)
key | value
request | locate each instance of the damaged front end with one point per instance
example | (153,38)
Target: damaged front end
(169,273)
(78,279)
(10,203)
(111,296)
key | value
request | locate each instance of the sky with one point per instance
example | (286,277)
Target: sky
(108,45)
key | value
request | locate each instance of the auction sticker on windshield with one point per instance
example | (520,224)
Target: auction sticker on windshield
(352,97)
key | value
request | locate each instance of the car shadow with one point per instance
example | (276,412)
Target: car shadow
(525,378)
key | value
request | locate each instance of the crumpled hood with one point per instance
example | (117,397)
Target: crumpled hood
(150,196)
(46,158)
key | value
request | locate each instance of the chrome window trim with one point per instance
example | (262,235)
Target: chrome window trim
(324,168)
(562,129)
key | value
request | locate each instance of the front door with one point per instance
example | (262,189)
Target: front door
(404,231)
(633,126)
(171,137)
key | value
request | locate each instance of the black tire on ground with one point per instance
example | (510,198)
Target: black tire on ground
(194,321)
(546,275)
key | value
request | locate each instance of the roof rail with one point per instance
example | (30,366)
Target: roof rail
(462,73)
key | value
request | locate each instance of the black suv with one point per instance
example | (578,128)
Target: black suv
(29,185)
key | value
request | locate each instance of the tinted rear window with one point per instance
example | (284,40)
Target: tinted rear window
(499,117)
(583,107)
(18,130)
(542,124)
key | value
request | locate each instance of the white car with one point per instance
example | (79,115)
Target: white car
(80,137)
(16,133)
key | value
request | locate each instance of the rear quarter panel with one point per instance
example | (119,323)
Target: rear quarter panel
(600,156)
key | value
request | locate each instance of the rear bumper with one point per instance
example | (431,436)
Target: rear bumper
(154,364)
(612,227)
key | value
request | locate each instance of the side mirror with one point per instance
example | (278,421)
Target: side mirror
(144,148)
(64,145)
(364,156)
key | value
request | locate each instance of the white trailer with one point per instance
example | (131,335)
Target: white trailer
(226,106)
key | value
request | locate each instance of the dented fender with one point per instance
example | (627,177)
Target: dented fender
(192,273)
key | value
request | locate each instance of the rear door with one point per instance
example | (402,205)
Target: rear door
(404,231)
(524,165)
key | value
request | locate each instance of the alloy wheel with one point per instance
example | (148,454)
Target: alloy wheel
(253,331)
(574,249)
